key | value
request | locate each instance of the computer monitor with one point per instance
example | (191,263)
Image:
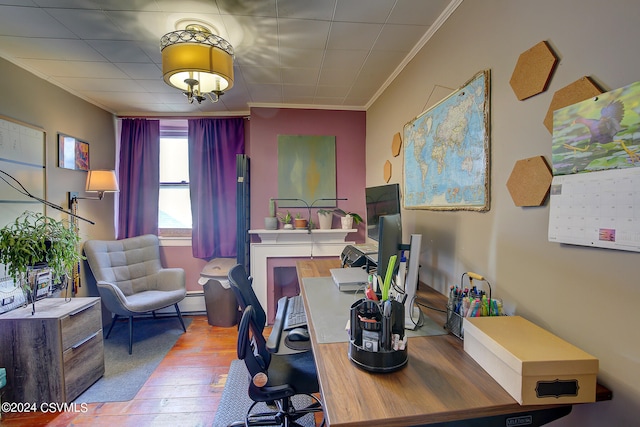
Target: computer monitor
(381,200)
(389,241)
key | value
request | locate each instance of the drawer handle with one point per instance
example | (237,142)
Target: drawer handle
(90,337)
(80,310)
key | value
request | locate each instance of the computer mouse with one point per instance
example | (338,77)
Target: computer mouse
(298,334)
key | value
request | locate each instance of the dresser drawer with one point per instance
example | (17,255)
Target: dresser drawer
(80,324)
(83,364)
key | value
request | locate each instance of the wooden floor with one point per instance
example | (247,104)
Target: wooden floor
(184,390)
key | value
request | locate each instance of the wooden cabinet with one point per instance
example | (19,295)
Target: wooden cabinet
(54,354)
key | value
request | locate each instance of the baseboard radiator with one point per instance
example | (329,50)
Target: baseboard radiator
(193,303)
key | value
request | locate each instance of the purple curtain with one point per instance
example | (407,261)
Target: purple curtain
(139,177)
(213,145)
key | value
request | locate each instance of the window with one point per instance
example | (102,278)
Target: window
(174,207)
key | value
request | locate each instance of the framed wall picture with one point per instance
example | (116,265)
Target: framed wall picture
(72,153)
(306,170)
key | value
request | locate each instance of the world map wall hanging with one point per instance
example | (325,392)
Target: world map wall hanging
(446,151)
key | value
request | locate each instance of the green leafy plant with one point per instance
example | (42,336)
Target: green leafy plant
(34,238)
(285,218)
(272,208)
(357,219)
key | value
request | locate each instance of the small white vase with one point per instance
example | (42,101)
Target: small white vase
(346,222)
(325,220)
(288,227)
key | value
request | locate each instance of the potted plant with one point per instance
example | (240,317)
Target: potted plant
(299,222)
(271,222)
(34,239)
(348,218)
(285,219)
(325,218)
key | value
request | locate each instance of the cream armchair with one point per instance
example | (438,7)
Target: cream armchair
(131,280)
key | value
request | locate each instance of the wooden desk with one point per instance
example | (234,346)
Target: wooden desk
(441,384)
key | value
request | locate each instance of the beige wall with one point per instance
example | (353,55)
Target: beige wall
(27,98)
(587,296)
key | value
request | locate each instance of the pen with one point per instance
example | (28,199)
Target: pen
(386,326)
(386,311)
(370,294)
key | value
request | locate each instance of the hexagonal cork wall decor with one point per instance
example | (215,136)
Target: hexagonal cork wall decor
(396,144)
(530,181)
(533,71)
(578,91)
(387,171)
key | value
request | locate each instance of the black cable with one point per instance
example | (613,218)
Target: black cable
(25,192)
(395,286)
(429,307)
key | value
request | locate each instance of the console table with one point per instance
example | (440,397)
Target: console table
(54,354)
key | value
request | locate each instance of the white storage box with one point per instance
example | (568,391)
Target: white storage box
(534,366)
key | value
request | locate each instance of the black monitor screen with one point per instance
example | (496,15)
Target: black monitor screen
(381,200)
(389,241)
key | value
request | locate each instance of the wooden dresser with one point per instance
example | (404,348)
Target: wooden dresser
(53,355)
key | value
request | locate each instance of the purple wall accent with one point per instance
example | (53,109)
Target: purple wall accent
(349,128)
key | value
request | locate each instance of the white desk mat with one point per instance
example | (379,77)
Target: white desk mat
(329,311)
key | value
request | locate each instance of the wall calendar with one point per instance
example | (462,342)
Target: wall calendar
(595,192)
(597,209)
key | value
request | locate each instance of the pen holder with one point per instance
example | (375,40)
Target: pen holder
(459,304)
(377,342)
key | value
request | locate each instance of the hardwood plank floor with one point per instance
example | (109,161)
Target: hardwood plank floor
(184,390)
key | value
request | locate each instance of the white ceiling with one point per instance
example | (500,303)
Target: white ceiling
(336,54)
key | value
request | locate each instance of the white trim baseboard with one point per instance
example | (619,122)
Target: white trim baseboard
(193,303)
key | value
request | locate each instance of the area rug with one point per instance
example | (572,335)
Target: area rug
(126,373)
(235,401)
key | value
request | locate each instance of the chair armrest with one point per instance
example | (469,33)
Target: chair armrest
(113,298)
(170,279)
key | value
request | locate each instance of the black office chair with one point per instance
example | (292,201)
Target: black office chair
(243,289)
(275,379)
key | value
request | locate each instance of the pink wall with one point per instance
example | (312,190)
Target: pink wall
(349,128)
(181,256)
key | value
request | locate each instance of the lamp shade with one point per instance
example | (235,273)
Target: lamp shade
(197,62)
(210,66)
(102,181)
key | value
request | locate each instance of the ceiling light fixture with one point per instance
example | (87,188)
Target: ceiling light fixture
(197,62)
